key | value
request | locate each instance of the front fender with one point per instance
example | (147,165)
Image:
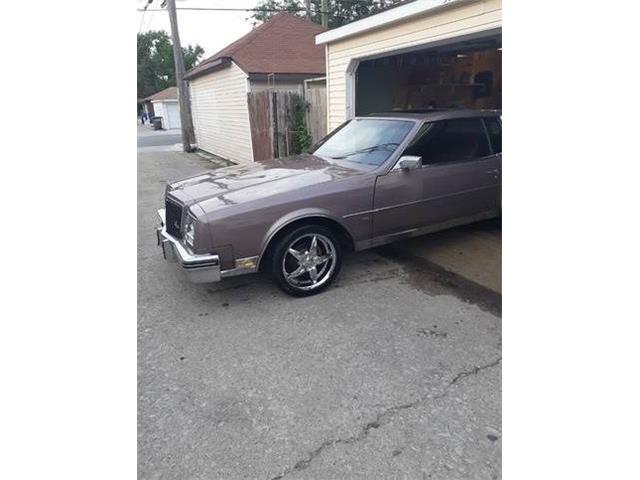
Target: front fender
(294,216)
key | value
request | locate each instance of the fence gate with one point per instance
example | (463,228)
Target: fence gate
(316,112)
(260,119)
(271,116)
(283,107)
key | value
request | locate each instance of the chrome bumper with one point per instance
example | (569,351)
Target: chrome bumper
(198,268)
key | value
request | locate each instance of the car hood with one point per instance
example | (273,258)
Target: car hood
(242,183)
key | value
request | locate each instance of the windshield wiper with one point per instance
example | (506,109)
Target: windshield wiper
(367,149)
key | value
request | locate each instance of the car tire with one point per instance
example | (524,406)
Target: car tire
(306,260)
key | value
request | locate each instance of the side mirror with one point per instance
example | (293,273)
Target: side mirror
(410,162)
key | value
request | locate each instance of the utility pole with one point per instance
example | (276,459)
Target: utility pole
(183,93)
(308,7)
(325,13)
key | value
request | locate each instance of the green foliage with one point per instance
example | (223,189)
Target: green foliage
(156,68)
(288,5)
(301,138)
(340,12)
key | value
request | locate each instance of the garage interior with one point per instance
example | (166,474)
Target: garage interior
(465,74)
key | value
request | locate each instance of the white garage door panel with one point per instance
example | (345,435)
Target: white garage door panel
(221,114)
(158,110)
(173,114)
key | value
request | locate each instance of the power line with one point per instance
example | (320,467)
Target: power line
(144,10)
(230,9)
(141,22)
(270,10)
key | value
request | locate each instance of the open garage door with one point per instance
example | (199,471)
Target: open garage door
(464,74)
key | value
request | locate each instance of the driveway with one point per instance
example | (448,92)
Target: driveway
(393,372)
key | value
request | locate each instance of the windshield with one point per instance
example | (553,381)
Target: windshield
(365,140)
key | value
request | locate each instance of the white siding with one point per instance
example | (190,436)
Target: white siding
(158,110)
(221,114)
(448,23)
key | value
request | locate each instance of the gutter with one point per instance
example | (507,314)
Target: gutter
(207,68)
(387,18)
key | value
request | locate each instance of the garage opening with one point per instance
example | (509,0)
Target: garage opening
(465,74)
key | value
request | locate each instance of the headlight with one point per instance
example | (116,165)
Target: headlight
(189,232)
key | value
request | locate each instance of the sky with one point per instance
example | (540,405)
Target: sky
(212,30)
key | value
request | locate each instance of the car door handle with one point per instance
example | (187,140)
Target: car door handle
(495,171)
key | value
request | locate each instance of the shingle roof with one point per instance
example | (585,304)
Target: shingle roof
(284,44)
(170,93)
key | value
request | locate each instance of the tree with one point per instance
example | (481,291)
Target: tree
(271,7)
(341,12)
(156,69)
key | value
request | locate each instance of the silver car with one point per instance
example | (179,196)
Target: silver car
(372,181)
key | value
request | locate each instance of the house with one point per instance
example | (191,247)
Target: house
(279,54)
(417,55)
(165,104)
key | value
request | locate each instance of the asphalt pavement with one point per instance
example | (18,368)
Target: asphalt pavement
(394,372)
(150,140)
(155,141)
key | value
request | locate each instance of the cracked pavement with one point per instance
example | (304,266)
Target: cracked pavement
(394,372)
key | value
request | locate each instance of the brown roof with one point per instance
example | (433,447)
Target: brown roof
(284,44)
(170,93)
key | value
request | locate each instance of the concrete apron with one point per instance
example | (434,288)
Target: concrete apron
(473,252)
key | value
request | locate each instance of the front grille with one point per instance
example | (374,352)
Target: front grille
(173,218)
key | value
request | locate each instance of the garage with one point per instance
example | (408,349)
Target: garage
(169,111)
(422,55)
(164,104)
(464,74)
(419,55)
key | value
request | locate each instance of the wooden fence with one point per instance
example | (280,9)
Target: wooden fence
(316,112)
(271,119)
(271,116)
(261,121)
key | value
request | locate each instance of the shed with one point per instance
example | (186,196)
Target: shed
(419,55)
(279,55)
(165,105)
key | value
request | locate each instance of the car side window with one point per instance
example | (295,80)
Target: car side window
(494,129)
(450,141)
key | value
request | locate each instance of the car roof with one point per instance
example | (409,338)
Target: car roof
(433,115)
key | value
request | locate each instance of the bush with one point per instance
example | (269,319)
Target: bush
(301,138)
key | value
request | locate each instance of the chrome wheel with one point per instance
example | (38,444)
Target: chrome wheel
(309,261)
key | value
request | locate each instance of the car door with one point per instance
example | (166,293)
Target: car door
(494,130)
(458,181)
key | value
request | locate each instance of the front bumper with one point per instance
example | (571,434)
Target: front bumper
(198,268)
